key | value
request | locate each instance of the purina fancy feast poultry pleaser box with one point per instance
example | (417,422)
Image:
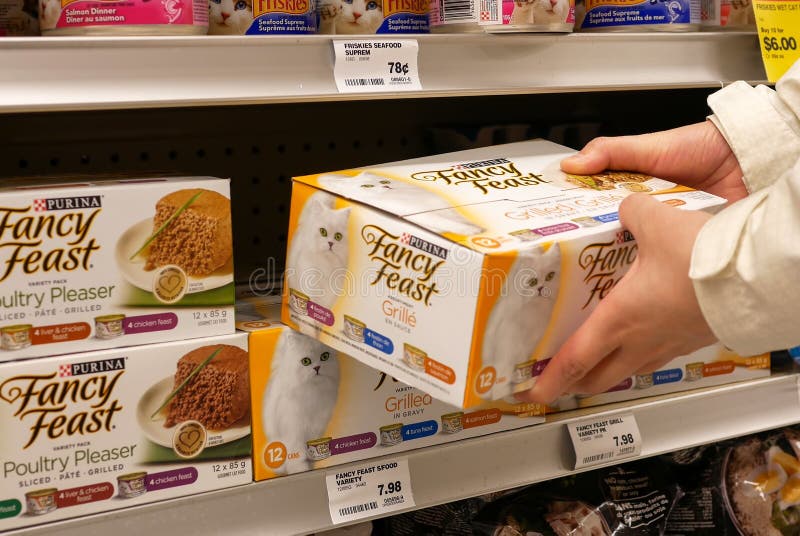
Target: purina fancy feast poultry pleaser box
(93,265)
(103,430)
(314,407)
(460,273)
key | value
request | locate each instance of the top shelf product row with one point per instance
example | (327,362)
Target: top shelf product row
(124,72)
(364,17)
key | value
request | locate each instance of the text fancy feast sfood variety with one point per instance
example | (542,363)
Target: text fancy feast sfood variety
(461,274)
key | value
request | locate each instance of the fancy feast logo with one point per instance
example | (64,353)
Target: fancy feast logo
(74,400)
(605,263)
(486,175)
(406,263)
(64,222)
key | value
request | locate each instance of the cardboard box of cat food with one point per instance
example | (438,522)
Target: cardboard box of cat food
(315,407)
(707,367)
(92,265)
(459,273)
(97,431)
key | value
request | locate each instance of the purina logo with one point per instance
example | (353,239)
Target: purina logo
(423,245)
(624,236)
(91,367)
(75,400)
(67,203)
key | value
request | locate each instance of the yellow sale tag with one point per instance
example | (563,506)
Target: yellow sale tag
(778,24)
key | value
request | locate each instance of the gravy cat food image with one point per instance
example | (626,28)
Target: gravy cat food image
(98,431)
(314,407)
(469,269)
(262,17)
(118,17)
(113,262)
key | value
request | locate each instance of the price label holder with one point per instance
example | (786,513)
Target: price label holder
(605,439)
(376,65)
(778,23)
(369,489)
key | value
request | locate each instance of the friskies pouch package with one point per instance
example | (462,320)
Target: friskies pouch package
(460,274)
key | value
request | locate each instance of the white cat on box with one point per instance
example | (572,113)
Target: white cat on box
(318,252)
(300,396)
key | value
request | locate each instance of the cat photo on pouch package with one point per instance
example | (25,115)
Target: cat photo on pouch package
(229,17)
(398,197)
(318,253)
(521,314)
(300,396)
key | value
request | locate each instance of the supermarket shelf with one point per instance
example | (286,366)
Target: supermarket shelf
(79,73)
(298,504)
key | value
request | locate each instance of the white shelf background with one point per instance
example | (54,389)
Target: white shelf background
(298,504)
(78,73)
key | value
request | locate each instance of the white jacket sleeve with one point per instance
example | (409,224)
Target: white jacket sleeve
(746,259)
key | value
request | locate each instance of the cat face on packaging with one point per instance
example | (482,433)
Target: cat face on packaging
(360,17)
(229,17)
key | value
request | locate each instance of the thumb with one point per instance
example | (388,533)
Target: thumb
(630,153)
(640,212)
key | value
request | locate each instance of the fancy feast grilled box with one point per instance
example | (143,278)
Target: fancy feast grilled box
(98,431)
(314,407)
(460,274)
(111,263)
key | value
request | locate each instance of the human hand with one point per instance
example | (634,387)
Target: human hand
(650,317)
(695,155)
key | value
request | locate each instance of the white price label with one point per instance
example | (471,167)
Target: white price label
(376,65)
(605,439)
(369,489)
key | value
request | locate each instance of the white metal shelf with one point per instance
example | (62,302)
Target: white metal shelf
(80,73)
(298,504)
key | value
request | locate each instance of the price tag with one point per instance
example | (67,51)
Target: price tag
(369,489)
(376,65)
(605,439)
(778,24)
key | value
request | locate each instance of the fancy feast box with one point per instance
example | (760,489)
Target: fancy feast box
(460,274)
(92,265)
(103,430)
(315,407)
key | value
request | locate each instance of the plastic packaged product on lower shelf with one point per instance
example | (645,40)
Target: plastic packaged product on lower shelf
(314,407)
(262,17)
(101,264)
(707,367)
(634,499)
(368,17)
(638,16)
(98,431)
(462,272)
(19,18)
(123,17)
(747,486)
